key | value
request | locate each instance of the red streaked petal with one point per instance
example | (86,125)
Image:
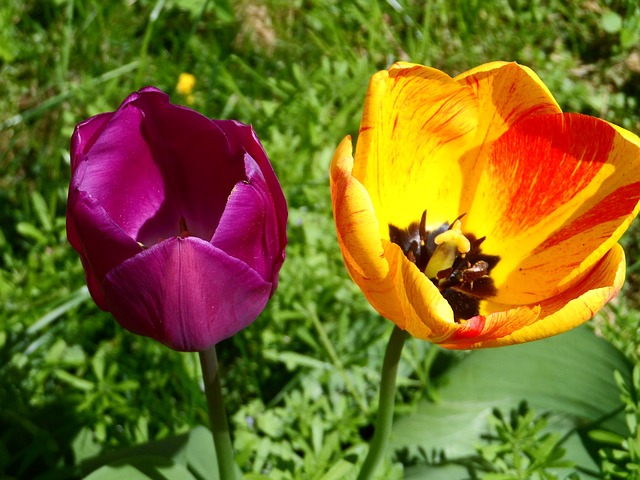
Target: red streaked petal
(479,330)
(507,93)
(545,199)
(573,306)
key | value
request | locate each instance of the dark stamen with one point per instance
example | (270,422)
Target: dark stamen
(184,232)
(466,282)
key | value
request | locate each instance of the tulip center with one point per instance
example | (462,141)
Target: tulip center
(182,227)
(184,231)
(452,260)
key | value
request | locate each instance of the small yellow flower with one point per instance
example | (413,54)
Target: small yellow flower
(186,82)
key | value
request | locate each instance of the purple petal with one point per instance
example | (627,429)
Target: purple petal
(185,293)
(241,134)
(248,229)
(120,173)
(198,166)
(100,241)
(156,164)
(93,285)
(85,134)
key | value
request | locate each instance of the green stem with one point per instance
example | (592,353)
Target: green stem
(217,414)
(385,408)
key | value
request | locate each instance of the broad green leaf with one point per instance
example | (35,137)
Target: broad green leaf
(84,445)
(143,467)
(193,450)
(571,375)
(454,426)
(201,454)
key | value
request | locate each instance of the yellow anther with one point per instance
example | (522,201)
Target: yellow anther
(450,244)
(454,236)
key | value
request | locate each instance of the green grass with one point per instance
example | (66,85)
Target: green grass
(301,383)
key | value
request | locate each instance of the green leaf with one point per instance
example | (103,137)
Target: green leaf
(41,211)
(602,436)
(70,301)
(341,469)
(143,467)
(193,451)
(570,375)
(201,454)
(77,382)
(446,472)
(454,426)
(31,232)
(84,445)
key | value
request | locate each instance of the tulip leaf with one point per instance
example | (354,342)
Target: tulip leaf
(192,452)
(143,467)
(570,375)
(201,454)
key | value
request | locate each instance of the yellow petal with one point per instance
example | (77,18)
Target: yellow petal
(379,268)
(416,124)
(356,223)
(574,306)
(425,313)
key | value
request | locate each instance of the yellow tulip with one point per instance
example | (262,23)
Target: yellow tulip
(475,213)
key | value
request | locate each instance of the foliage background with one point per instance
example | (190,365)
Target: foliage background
(301,383)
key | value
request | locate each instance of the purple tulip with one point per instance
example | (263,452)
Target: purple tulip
(179,220)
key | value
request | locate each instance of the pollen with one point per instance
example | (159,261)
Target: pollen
(455,237)
(449,244)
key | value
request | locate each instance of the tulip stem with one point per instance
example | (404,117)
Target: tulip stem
(384,421)
(217,414)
